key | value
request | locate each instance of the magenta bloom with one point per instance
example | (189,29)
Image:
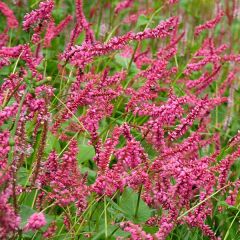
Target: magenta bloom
(122,103)
(36,16)
(135,230)
(9,220)
(123,5)
(12,22)
(209,24)
(172,1)
(35,222)
(85,53)
(53,31)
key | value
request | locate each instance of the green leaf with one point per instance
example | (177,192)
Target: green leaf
(25,213)
(150,229)
(222,203)
(52,143)
(22,175)
(124,62)
(142,21)
(86,152)
(128,204)
(91,175)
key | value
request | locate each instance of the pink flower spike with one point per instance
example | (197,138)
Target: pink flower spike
(81,24)
(209,24)
(123,5)
(172,1)
(12,22)
(42,13)
(84,54)
(53,31)
(35,222)
(135,230)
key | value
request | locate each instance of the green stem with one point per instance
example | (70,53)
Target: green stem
(10,156)
(138,201)
(40,151)
(200,203)
(99,20)
(227,233)
(105,219)
(132,57)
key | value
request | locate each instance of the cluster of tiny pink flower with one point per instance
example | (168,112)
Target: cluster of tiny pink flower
(172,125)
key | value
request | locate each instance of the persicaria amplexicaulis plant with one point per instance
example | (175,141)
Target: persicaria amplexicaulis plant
(119,119)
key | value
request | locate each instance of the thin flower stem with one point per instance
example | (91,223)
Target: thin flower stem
(227,233)
(138,202)
(34,198)
(74,116)
(105,219)
(10,156)
(40,151)
(99,20)
(203,201)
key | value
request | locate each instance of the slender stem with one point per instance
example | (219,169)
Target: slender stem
(10,156)
(8,98)
(99,20)
(74,116)
(132,57)
(203,201)
(15,203)
(40,151)
(138,201)
(232,223)
(34,198)
(105,218)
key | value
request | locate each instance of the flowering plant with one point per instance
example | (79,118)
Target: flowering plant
(119,119)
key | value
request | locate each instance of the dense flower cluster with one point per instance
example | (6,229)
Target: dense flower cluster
(9,220)
(209,24)
(123,5)
(136,231)
(82,126)
(37,16)
(84,54)
(35,221)
(53,31)
(12,22)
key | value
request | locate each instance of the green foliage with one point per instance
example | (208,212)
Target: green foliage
(104,214)
(133,210)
